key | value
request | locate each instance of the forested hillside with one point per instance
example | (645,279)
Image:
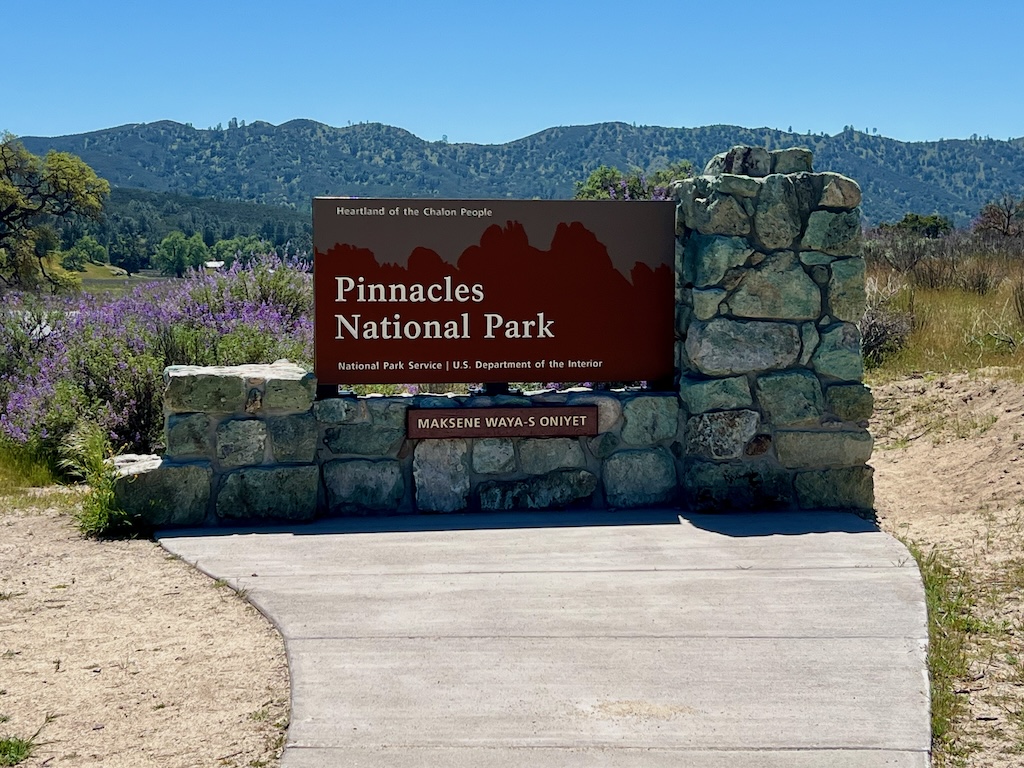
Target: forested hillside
(154,215)
(293,162)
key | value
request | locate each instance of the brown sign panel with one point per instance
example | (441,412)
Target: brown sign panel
(438,291)
(553,421)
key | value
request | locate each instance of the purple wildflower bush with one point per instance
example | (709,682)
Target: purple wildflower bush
(66,360)
(637,187)
(609,183)
(252,313)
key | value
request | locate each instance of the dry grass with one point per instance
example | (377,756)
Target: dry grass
(955,330)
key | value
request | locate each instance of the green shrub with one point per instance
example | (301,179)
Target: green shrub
(86,455)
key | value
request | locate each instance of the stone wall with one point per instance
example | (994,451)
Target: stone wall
(250,442)
(770,288)
(770,411)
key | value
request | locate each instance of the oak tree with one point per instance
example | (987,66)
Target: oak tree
(177,253)
(1004,217)
(35,191)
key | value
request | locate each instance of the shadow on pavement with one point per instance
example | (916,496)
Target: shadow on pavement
(744,524)
(734,524)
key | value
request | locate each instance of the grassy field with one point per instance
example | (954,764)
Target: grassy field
(954,329)
(104,280)
(20,469)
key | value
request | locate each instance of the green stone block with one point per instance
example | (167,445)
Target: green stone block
(364,439)
(162,494)
(707,258)
(838,355)
(342,410)
(742,485)
(834,233)
(294,438)
(850,402)
(790,398)
(440,473)
(791,160)
(721,434)
(639,477)
(388,412)
(494,455)
(290,395)
(706,302)
(363,486)
(542,455)
(823,449)
(777,221)
(188,436)
(777,289)
(604,445)
(846,290)
(280,493)
(562,488)
(190,390)
(845,488)
(648,420)
(716,394)
(241,442)
(725,347)
(838,191)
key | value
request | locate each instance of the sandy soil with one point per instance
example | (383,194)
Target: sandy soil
(142,660)
(949,476)
(147,662)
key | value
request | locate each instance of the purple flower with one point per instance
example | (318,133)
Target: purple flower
(62,359)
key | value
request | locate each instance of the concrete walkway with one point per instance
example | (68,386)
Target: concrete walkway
(593,640)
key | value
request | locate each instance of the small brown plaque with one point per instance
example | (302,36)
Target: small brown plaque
(560,421)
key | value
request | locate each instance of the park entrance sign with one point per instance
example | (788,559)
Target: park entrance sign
(439,291)
(751,281)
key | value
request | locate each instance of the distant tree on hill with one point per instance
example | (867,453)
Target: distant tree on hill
(1004,217)
(932,226)
(171,256)
(177,253)
(128,252)
(242,248)
(599,184)
(34,192)
(73,261)
(198,253)
(86,250)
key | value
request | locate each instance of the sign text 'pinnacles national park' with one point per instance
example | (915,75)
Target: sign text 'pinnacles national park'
(437,291)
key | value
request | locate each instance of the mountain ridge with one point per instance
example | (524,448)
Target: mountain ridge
(290,163)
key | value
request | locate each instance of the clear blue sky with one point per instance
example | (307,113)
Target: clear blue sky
(490,72)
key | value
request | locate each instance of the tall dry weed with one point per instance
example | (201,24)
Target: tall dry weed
(888,318)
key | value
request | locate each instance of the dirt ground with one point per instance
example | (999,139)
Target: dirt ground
(949,476)
(143,661)
(138,659)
